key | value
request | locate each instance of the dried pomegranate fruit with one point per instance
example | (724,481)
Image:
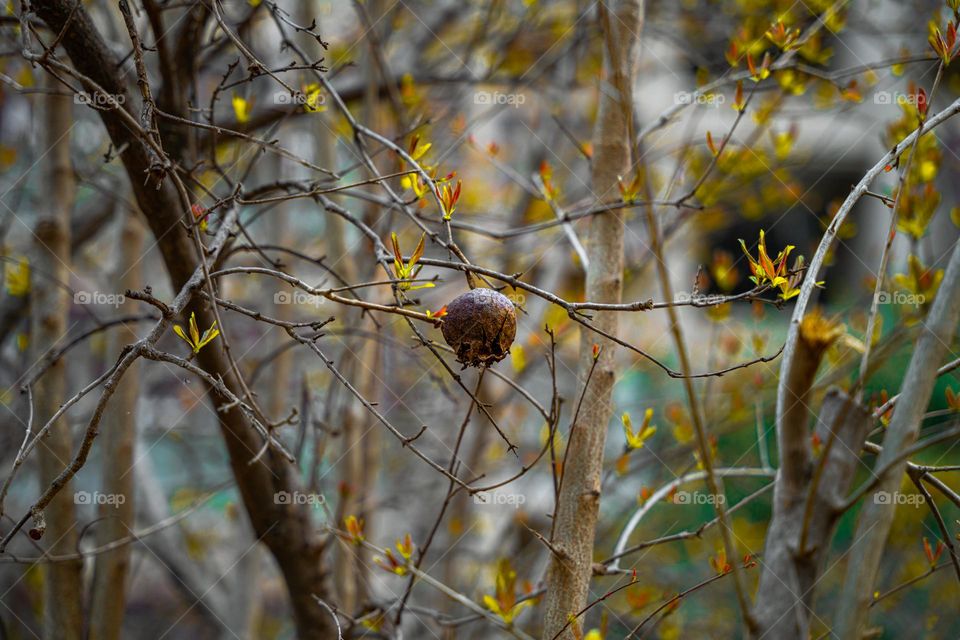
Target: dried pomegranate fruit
(480,326)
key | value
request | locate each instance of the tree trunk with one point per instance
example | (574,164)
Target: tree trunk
(568,577)
(62,611)
(286,529)
(117,451)
(786,595)
(937,333)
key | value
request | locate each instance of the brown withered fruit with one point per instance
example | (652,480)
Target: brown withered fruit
(480,326)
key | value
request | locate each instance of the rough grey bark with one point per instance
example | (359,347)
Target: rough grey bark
(286,529)
(568,577)
(50,309)
(117,450)
(936,335)
(785,598)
